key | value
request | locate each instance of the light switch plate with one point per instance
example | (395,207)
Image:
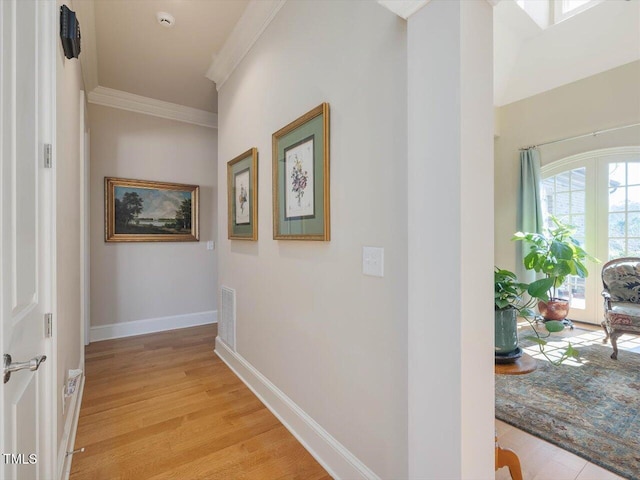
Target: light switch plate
(373,261)
(210,245)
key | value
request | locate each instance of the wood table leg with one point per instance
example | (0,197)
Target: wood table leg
(508,458)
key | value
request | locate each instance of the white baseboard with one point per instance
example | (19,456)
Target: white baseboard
(152,325)
(69,434)
(339,462)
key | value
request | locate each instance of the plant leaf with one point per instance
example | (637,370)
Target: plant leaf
(572,352)
(537,340)
(561,250)
(581,270)
(539,288)
(554,326)
(530,260)
(501,303)
(505,273)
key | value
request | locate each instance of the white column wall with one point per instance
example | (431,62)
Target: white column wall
(476,253)
(450,241)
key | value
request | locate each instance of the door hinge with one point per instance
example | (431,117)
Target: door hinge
(48,162)
(48,325)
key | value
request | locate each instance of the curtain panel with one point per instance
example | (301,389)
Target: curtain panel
(530,217)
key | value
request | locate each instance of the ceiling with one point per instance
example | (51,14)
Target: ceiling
(127,50)
(529,59)
(136,54)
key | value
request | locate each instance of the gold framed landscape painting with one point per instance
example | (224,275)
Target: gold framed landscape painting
(301,178)
(148,211)
(242,196)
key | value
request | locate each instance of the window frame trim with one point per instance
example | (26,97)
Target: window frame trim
(555,166)
(559,15)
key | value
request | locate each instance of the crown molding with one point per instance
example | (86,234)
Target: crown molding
(255,19)
(150,106)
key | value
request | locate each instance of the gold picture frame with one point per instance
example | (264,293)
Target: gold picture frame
(242,196)
(148,211)
(301,203)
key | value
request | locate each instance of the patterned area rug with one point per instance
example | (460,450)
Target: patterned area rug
(590,407)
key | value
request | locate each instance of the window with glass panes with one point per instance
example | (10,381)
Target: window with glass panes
(624,210)
(598,192)
(568,5)
(563,9)
(565,199)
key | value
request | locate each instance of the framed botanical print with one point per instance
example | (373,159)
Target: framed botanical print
(301,178)
(147,211)
(242,196)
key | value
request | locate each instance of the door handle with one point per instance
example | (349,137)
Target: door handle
(10,367)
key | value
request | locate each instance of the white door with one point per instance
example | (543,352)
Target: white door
(27,94)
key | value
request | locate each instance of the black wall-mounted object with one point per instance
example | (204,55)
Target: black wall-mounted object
(69,32)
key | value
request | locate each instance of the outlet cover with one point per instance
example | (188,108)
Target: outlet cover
(373,261)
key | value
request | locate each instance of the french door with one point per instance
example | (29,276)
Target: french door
(598,192)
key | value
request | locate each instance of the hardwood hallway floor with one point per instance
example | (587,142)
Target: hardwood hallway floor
(164,406)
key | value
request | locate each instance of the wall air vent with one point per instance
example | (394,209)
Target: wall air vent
(227,321)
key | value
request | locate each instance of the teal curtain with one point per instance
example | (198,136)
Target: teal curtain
(530,217)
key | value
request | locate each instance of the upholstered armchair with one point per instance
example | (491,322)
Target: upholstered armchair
(621,282)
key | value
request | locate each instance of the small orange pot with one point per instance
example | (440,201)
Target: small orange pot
(554,309)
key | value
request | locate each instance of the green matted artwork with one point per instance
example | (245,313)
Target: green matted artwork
(242,191)
(301,178)
(148,211)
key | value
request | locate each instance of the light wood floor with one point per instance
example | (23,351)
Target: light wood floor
(164,406)
(541,460)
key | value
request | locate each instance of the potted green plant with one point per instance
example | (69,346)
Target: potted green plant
(508,302)
(513,299)
(555,254)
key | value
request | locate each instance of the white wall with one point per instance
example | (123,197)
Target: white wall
(142,281)
(606,100)
(67,323)
(333,340)
(451,369)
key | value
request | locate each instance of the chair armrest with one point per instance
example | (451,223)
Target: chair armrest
(607,299)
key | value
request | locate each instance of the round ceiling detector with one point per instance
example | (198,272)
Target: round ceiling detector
(165,19)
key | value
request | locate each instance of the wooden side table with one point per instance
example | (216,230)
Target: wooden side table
(525,364)
(504,456)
